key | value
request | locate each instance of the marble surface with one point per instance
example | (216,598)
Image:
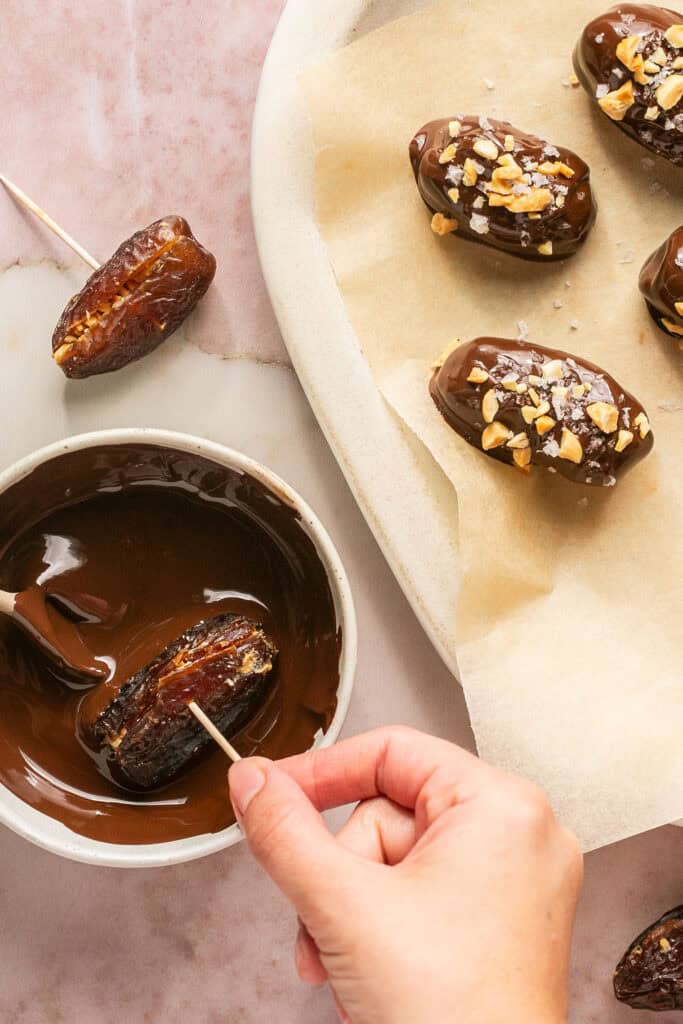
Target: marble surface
(116,113)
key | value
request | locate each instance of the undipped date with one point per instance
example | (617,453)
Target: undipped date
(147,734)
(134,301)
(649,976)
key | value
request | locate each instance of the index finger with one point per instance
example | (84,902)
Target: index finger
(396,762)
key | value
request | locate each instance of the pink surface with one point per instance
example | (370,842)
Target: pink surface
(116,113)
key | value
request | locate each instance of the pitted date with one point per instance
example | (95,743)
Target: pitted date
(649,976)
(147,734)
(630,62)
(528,405)
(491,183)
(134,301)
(661,282)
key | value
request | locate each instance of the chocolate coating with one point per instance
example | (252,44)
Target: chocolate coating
(147,732)
(163,539)
(527,198)
(630,61)
(649,976)
(134,301)
(661,282)
(528,405)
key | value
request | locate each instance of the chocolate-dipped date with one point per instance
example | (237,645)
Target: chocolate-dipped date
(527,405)
(649,976)
(630,61)
(134,301)
(661,282)
(491,183)
(147,734)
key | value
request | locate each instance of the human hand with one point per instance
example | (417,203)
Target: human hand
(448,895)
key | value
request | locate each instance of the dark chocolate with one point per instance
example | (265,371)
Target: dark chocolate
(134,301)
(147,732)
(491,183)
(661,282)
(649,976)
(159,539)
(528,405)
(630,61)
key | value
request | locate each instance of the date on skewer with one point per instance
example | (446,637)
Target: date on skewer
(134,301)
(148,733)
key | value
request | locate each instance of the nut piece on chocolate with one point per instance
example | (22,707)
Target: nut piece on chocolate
(491,183)
(661,282)
(527,405)
(147,734)
(134,301)
(649,976)
(630,61)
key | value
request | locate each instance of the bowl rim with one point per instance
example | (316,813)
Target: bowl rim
(53,835)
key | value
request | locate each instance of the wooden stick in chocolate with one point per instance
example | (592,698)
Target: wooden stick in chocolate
(48,222)
(220,739)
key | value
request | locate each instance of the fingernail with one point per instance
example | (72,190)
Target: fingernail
(246,779)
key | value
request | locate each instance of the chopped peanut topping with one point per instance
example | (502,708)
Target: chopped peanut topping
(521,388)
(546,249)
(559,390)
(62,353)
(448,154)
(616,103)
(507,172)
(495,435)
(485,148)
(443,225)
(528,202)
(521,458)
(477,375)
(642,422)
(544,424)
(534,379)
(669,324)
(510,385)
(577,390)
(626,52)
(518,441)
(570,447)
(624,439)
(530,413)
(533,395)
(604,416)
(659,56)
(556,167)
(651,114)
(670,91)
(677,64)
(651,67)
(664,943)
(469,177)
(454,128)
(674,35)
(453,194)
(489,406)
(553,370)
(509,143)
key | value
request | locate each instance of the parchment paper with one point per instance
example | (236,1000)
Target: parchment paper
(570,623)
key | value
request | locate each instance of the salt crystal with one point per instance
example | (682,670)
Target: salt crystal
(551,150)
(551,469)
(551,448)
(485,124)
(574,325)
(489,84)
(454,174)
(523,330)
(601,90)
(479,223)
(557,304)
(582,503)
(600,38)
(610,481)
(567,284)
(628,19)
(577,414)
(627,257)
(679,258)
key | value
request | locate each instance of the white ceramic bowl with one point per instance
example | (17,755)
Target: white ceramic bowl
(52,835)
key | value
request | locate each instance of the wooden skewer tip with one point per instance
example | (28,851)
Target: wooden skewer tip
(220,739)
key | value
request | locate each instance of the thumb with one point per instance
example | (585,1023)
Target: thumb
(287,835)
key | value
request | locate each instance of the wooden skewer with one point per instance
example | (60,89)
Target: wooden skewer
(48,221)
(213,731)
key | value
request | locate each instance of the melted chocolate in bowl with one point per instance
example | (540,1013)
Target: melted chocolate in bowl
(163,538)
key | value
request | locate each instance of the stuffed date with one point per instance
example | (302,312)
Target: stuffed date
(147,734)
(134,301)
(649,976)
